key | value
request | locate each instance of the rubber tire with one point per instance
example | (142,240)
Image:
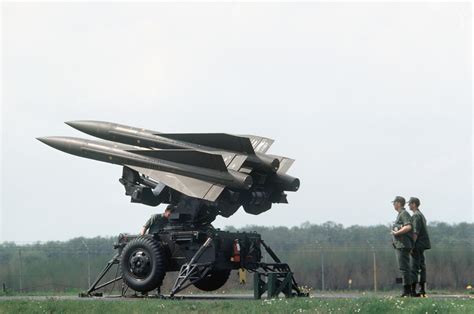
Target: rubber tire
(157,260)
(213,281)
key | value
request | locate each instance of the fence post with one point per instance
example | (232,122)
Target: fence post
(374,263)
(322,264)
(375,271)
(88,264)
(21,271)
(322,269)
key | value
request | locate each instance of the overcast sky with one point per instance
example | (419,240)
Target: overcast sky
(372,100)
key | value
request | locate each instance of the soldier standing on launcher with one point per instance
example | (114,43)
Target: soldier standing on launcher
(421,243)
(403,243)
(157,221)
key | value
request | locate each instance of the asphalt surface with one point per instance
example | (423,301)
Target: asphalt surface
(205,297)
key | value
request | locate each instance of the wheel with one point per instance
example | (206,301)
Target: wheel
(213,281)
(143,264)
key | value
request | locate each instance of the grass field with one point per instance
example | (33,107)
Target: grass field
(315,305)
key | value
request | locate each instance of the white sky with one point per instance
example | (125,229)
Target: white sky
(372,100)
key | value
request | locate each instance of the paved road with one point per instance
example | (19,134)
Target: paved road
(204,297)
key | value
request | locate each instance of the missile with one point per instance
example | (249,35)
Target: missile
(189,163)
(213,143)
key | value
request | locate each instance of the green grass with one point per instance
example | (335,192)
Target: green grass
(315,305)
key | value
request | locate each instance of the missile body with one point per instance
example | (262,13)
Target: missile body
(122,154)
(152,139)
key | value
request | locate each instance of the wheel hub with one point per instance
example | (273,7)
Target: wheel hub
(140,264)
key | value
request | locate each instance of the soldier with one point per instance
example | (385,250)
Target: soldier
(157,221)
(421,243)
(403,243)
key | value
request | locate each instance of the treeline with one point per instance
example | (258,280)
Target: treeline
(327,254)
(348,254)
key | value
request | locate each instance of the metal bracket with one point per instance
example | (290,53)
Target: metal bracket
(193,271)
(279,276)
(277,282)
(96,286)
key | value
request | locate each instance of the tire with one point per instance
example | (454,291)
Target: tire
(143,264)
(213,281)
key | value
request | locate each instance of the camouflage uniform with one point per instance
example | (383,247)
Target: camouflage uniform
(403,244)
(156,223)
(422,243)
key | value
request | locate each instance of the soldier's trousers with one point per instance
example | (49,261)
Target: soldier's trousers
(403,256)
(418,266)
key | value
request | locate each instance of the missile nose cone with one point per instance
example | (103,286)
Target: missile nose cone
(95,128)
(71,123)
(55,142)
(46,140)
(43,139)
(83,125)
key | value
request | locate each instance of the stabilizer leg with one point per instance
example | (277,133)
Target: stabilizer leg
(193,271)
(279,277)
(96,286)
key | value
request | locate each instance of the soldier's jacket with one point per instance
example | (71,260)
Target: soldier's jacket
(419,227)
(155,223)
(403,241)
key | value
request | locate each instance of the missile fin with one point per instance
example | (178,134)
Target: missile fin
(232,161)
(222,141)
(237,162)
(214,192)
(186,156)
(260,144)
(189,186)
(285,163)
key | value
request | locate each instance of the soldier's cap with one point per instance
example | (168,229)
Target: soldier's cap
(399,199)
(414,200)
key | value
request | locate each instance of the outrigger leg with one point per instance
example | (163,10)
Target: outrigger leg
(275,278)
(193,271)
(96,286)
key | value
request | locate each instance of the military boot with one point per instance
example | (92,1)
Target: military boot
(422,292)
(406,291)
(413,291)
